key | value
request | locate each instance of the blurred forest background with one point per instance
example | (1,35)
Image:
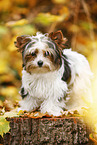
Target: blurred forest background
(77,19)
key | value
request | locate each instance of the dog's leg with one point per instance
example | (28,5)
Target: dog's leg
(52,107)
(28,103)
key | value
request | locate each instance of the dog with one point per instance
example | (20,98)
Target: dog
(53,78)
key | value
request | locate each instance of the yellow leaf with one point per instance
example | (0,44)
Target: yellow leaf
(17,23)
(20,112)
(4,126)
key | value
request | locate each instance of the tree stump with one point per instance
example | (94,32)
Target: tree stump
(46,131)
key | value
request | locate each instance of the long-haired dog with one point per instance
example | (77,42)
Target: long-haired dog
(53,78)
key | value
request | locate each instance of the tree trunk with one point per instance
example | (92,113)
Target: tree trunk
(46,131)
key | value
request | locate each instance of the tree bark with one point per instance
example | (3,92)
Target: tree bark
(46,131)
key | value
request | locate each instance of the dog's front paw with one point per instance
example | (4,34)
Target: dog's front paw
(55,111)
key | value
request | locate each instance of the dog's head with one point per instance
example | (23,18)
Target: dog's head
(41,53)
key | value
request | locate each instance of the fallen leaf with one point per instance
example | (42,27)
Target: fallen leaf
(4,126)
(12,113)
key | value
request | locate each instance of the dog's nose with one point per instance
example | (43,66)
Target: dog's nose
(40,63)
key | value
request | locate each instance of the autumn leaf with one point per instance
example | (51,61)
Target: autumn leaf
(47,18)
(12,113)
(4,126)
(17,23)
(39,115)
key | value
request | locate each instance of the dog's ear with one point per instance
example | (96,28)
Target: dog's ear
(21,42)
(58,38)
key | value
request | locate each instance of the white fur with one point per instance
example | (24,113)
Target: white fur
(44,89)
(80,84)
(47,89)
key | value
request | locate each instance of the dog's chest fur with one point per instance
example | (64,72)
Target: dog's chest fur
(43,86)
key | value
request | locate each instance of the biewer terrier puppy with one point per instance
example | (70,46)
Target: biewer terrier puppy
(53,78)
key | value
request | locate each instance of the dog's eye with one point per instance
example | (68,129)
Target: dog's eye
(46,53)
(33,54)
